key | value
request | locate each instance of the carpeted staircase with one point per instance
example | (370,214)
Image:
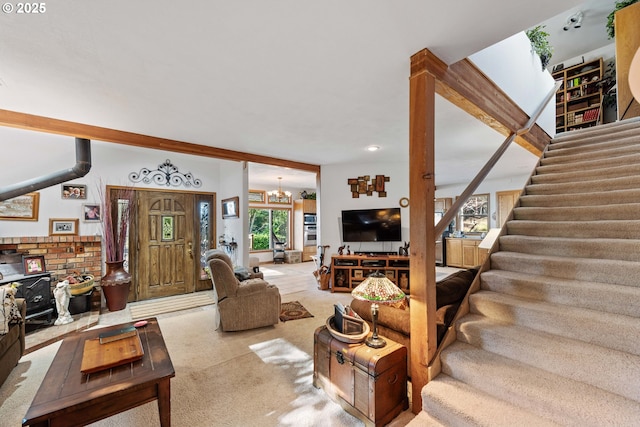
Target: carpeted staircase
(553,336)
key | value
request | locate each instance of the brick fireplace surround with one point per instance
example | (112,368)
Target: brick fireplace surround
(63,255)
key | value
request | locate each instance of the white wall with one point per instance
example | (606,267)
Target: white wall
(233,183)
(28,154)
(518,72)
(336,196)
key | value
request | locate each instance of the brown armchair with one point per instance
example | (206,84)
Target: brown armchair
(246,304)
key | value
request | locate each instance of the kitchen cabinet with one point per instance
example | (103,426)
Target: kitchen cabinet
(454,252)
(308,205)
(301,207)
(464,252)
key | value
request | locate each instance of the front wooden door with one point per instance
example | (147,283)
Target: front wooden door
(166,255)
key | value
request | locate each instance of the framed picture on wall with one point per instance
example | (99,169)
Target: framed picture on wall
(230,208)
(256,196)
(74,191)
(91,213)
(63,227)
(21,208)
(33,264)
(280,199)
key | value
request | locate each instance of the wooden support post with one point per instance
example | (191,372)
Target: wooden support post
(422,88)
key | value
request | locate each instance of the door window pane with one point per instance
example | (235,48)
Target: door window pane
(204,212)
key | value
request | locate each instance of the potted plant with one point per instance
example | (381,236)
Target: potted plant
(117,209)
(611,29)
(540,44)
(609,95)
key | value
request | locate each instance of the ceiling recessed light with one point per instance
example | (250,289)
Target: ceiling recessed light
(373,148)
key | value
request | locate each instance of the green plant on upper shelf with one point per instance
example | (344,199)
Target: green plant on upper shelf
(607,83)
(540,44)
(611,29)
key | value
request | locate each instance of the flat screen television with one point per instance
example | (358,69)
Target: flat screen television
(372,225)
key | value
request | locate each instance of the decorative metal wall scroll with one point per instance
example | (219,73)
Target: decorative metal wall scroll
(166,174)
(361,185)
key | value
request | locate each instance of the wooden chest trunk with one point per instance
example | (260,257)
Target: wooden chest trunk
(369,383)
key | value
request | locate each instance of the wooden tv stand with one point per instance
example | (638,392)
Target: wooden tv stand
(347,271)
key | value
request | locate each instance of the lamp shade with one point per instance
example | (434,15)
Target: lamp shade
(378,288)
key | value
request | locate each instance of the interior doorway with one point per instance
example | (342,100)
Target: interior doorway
(170,233)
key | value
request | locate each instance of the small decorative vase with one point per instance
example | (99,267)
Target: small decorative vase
(115,285)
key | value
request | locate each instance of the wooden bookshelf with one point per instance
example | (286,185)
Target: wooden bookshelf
(579,99)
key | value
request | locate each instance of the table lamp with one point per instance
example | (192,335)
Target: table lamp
(377,289)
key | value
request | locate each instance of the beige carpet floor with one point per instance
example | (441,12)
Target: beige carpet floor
(261,377)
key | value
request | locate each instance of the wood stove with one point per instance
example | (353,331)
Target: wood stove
(35,288)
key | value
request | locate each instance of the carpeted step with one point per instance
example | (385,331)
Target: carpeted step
(595,327)
(560,399)
(558,143)
(582,230)
(609,184)
(620,249)
(628,211)
(597,133)
(563,157)
(622,139)
(594,165)
(424,420)
(455,403)
(606,297)
(584,269)
(620,171)
(577,360)
(581,199)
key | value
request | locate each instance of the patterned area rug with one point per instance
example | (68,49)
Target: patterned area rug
(292,311)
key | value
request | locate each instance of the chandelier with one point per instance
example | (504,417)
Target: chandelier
(278,194)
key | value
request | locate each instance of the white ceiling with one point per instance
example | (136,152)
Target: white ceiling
(576,41)
(314,82)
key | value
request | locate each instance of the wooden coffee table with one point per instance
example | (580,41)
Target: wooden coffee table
(68,397)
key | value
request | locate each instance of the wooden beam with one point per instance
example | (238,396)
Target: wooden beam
(422,235)
(79,130)
(465,86)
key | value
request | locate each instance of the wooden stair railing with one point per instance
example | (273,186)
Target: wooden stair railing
(475,182)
